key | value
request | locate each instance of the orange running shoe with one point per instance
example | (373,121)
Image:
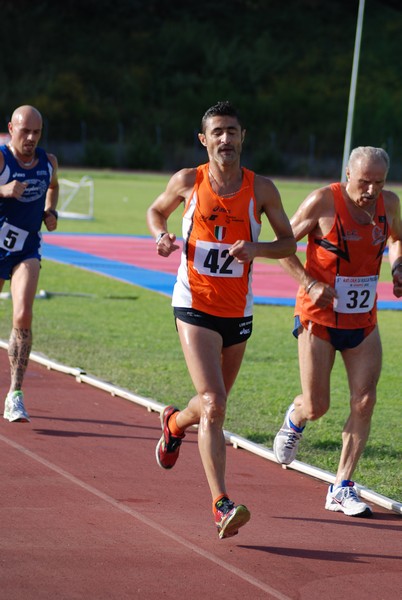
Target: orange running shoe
(168,447)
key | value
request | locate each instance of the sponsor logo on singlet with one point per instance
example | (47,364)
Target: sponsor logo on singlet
(378,236)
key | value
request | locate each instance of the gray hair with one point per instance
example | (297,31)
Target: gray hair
(368,153)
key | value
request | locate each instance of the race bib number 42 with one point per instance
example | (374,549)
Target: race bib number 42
(355,294)
(12,238)
(214,260)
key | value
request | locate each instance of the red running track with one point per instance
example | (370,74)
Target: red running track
(86,514)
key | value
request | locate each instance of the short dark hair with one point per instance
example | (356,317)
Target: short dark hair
(222,108)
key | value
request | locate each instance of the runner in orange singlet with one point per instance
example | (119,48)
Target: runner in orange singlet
(212,298)
(209,278)
(348,227)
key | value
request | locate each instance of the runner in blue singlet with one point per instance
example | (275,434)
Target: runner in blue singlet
(29,192)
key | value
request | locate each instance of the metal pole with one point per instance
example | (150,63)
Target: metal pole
(352,93)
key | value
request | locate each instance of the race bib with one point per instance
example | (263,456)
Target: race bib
(355,294)
(214,260)
(12,238)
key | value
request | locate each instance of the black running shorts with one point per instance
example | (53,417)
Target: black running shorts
(233,330)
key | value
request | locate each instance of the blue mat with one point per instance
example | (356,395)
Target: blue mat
(157,281)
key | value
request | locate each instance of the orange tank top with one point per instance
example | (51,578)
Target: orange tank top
(349,259)
(209,279)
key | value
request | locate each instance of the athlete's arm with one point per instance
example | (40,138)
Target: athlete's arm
(52,197)
(314,214)
(12,189)
(176,192)
(269,203)
(393,209)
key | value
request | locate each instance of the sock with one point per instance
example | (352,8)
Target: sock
(295,427)
(217,500)
(343,483)
(173,428)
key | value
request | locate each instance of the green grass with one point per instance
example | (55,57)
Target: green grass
(126,335)
(121,201)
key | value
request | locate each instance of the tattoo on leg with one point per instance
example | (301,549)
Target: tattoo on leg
(19,348)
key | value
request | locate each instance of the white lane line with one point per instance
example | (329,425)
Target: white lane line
(146,521)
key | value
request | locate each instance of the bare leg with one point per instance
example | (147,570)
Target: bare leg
(363,365)
(19,349)
(316,359)
(213,371)
(24,282)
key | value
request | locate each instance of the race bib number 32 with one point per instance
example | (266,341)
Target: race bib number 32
(355,294)
(214,260)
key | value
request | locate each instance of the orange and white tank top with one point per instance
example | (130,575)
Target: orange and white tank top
(208,278)
(349,259)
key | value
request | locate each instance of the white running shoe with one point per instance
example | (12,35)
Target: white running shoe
(287,440)
(14,409)
(344,499)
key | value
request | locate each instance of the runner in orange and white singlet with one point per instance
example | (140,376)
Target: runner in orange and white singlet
(212,297)
(348,227)
(209,278)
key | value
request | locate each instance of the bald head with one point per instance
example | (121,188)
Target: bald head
(25,129)
(26,113)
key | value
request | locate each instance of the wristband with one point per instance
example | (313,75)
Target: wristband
(52,211)
(160,236)
(395,267)
(310,285)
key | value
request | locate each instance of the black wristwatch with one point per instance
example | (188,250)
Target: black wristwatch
(159,237)
(52,211)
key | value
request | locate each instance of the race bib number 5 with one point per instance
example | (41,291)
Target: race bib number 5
(12,238)
(214,260)
(355,294)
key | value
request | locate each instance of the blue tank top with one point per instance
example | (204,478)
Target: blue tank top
(21,219)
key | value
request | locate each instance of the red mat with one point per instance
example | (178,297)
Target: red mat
(269,280)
